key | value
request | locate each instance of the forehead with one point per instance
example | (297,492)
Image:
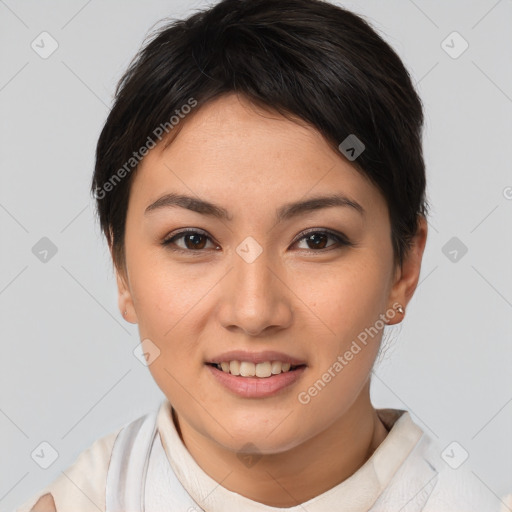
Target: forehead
(230,150)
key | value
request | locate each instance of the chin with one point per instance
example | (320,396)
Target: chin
(271,436)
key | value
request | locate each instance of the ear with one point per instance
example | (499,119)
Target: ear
(407,276)
(124,295)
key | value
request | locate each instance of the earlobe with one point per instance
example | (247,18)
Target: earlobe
(395,314)
(408,276)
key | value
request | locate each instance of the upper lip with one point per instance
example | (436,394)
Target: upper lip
(256,357)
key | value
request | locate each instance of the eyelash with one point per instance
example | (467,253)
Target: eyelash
(338,237)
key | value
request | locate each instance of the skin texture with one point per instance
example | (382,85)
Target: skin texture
(305,301)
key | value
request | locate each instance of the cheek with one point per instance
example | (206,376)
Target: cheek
(346,301)
(167,301)
(169,312)
(347,342)
(346,298)
(163,291)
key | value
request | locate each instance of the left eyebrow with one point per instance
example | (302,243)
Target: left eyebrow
(294,209)
(284,213)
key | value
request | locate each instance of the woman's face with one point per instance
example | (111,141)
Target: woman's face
(257,275)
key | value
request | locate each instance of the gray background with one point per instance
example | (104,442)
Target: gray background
(68,374)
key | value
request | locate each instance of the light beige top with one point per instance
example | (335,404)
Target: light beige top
(81,487)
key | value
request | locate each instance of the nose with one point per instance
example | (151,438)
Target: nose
(256,299)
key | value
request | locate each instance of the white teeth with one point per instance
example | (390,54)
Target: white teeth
(264,369)
(234,367)
(276,367)
(249,369)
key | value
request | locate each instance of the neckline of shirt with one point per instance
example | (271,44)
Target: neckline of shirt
(358,492)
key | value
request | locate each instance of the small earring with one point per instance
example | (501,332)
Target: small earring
(125,312)
(400,309)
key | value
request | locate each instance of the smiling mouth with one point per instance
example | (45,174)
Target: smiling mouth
(248,369)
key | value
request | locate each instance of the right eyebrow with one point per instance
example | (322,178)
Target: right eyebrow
(190,203)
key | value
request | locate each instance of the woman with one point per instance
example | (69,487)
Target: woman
(261,186)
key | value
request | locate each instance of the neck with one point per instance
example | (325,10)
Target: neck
(297,475)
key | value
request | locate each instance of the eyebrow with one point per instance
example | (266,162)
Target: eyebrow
(285,212)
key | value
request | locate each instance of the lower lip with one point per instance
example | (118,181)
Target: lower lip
(256,387)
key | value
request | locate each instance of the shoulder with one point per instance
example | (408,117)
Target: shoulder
(462,490)
(456,487)
(428,478)
(80,486)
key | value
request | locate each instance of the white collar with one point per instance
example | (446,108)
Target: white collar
(357,493)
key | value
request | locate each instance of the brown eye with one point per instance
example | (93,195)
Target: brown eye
(194,241)
(190,241)
(318,240)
